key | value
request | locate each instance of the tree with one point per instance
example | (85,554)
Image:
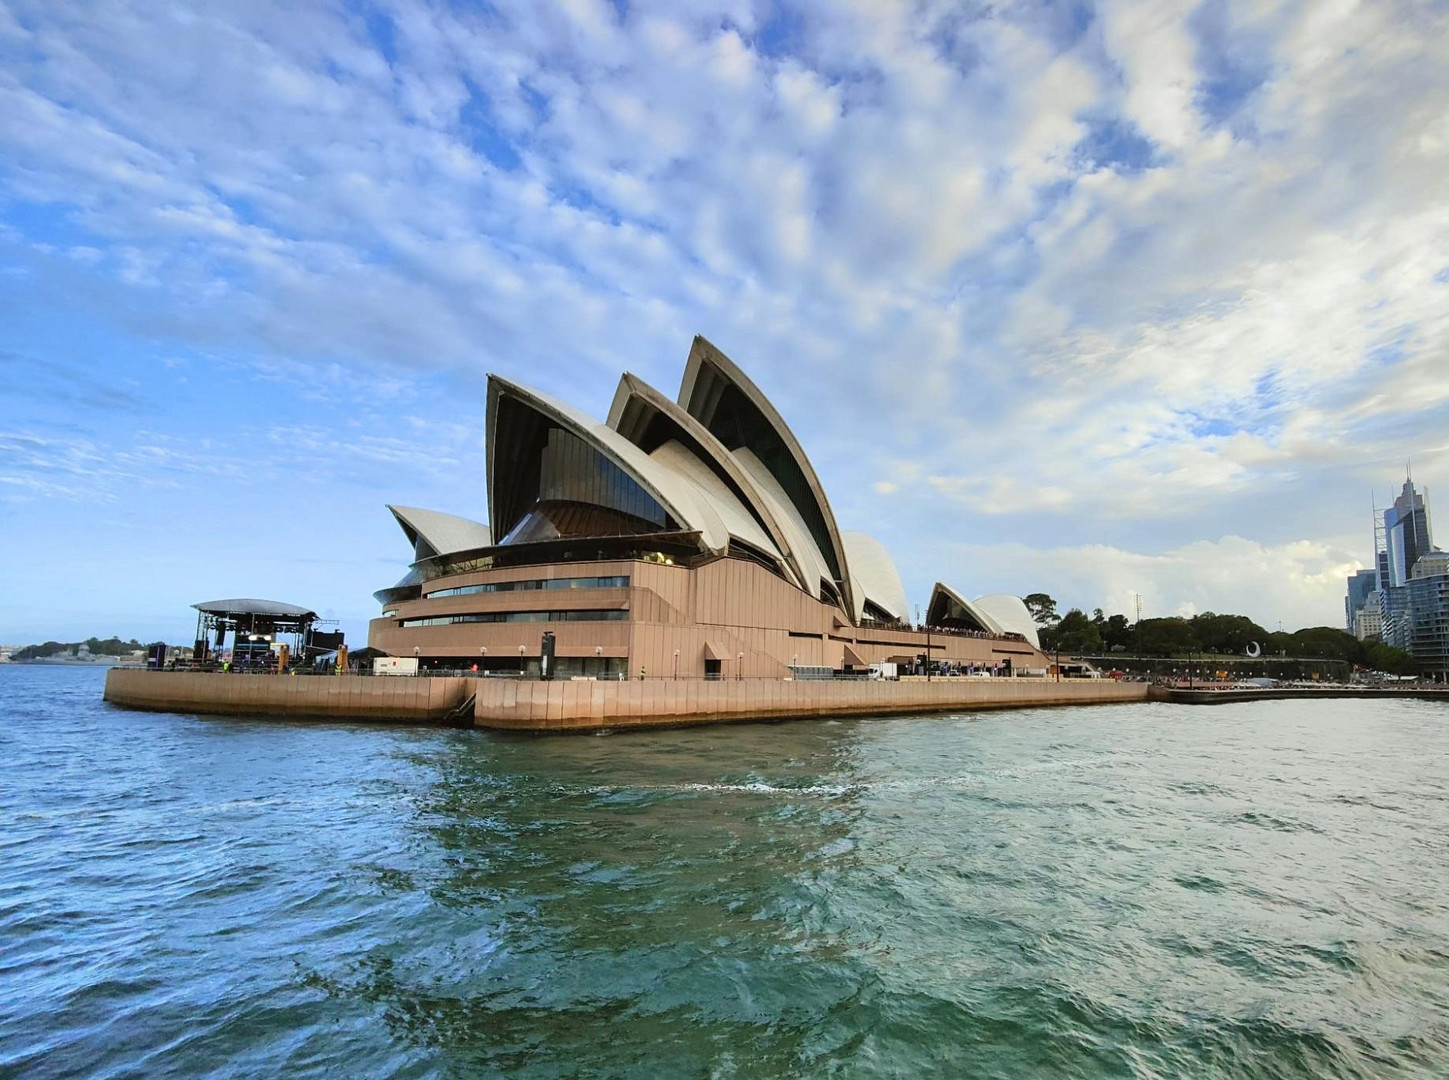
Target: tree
(1042,607)
(1381,657)
(1074,633)
(1226,634)
(1327,643)
(1116,631)
(1166,637)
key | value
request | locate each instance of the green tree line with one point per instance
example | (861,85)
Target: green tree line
(111,646)
(1210,633)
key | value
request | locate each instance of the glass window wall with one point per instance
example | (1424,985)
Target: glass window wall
(517,617)
(540,583)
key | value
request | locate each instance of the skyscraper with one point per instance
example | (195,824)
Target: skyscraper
(1411,590)
(1406,535)
(1360,587)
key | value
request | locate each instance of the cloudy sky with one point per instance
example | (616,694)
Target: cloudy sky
(1085,298)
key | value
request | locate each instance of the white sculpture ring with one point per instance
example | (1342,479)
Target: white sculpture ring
(1253,651)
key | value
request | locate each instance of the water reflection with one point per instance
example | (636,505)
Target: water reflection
(1250,891)
(651,900)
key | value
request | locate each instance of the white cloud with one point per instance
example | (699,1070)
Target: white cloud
(1083,274)
(1299,583)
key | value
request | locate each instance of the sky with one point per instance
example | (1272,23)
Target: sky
(1088,299)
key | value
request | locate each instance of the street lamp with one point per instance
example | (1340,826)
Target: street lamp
(599,655)
(739,667)
(676,663)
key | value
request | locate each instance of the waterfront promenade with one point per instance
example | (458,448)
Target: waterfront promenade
(1226,695)
(587,705)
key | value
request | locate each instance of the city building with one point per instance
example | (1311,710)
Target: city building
(1425,632)
(1406,534)
(1360,587)
(681,538)
(1408,604)
(1368,622)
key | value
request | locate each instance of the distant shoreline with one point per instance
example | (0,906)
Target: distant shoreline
(71,661)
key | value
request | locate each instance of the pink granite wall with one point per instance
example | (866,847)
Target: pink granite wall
(358,697)
(583,705)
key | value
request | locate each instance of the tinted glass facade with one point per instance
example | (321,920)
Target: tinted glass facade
(517,617)
(560,486)
(537,584)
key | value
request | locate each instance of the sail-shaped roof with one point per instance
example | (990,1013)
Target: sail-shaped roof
(948,607)
(650,421)
(542,449)
(432,532)
(718,394)
(1011,614)
(875,579)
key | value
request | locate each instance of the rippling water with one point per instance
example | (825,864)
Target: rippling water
(1121,891)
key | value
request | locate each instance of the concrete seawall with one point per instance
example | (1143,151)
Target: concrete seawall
(562,706)
(422,700)
(591,706)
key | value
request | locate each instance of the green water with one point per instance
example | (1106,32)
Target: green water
(1137,891)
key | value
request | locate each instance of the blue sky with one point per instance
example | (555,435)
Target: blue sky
(1085,298)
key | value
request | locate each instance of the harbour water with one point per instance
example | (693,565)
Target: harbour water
(1257,890)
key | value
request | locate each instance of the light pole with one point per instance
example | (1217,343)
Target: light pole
(739,667)
(599,655)
(676,664)
(521,650)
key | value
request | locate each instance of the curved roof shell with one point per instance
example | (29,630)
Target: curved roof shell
(679,459)
(813,568)
(273,608)
(718,394)
(684,504)
(875,577)
(409,587)
(1011,614)
(443,534)
(648,419)
(946,603)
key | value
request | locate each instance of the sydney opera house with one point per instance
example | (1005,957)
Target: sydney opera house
(687,538)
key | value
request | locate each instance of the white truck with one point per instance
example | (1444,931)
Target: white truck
(395,665)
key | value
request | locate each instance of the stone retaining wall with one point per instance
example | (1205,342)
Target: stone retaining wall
(352,696)
(586,706)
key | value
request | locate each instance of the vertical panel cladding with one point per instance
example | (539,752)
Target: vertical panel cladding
(550,706)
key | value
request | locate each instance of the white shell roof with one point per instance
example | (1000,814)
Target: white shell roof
(704,355)
(875,574)
(680,498)
(633,391)
(444,533)
(675,456)
(1011,614)
(984,618)
(797,534)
